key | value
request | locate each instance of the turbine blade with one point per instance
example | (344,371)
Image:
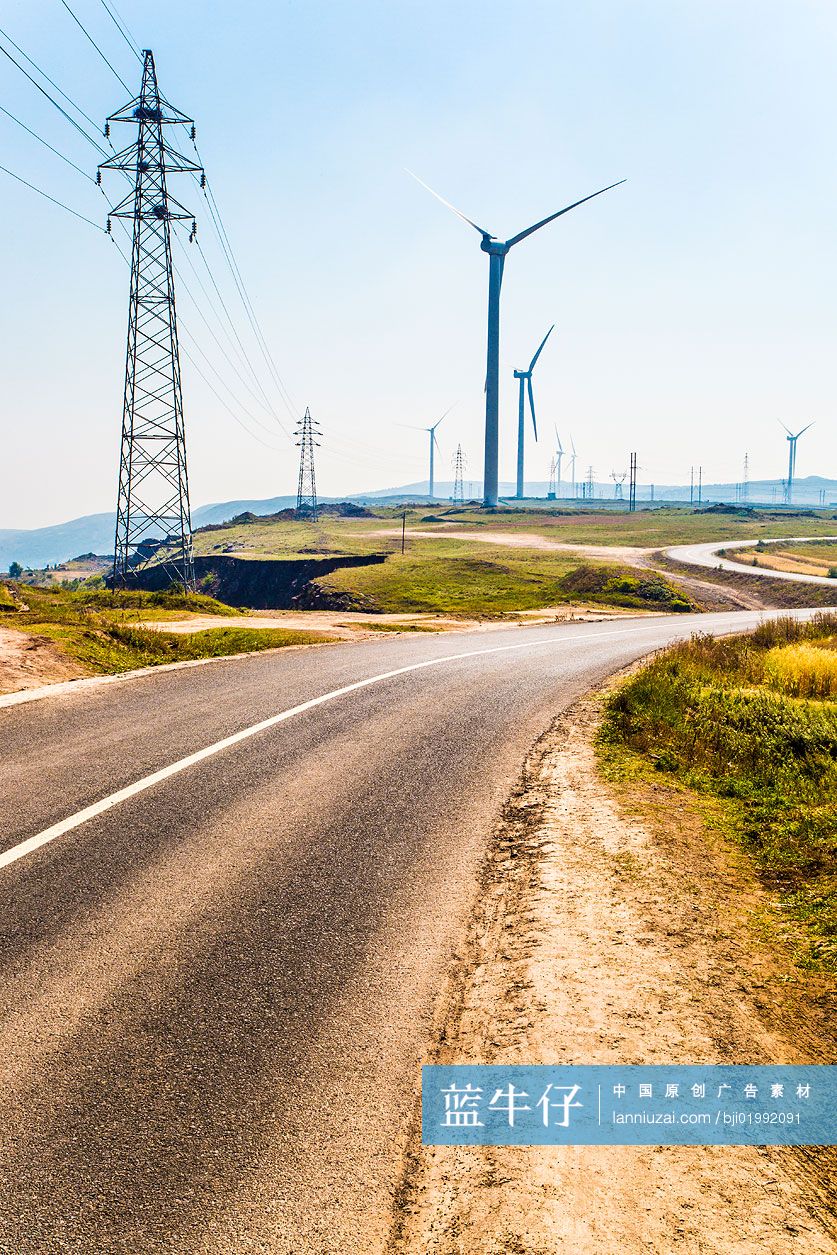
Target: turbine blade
(442,419)
(804,429)
(485,234)
(532,405)
(781,424)
(558,438)
(540,347)
(529,230)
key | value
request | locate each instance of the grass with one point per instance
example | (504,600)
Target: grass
(7,601)
(752,722)
(447,577)
(102,631)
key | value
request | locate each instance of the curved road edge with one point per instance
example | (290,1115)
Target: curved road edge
(706,556)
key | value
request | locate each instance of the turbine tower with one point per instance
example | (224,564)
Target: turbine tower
(153,501)
(792,460)
(573,457)
(497,251)
(559,454)
(306,493)
(433,446)
(525,379)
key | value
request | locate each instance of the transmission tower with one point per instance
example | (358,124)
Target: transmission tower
(306,494)
(152,511)
(745,484)
(553,468)
(459,463)
(618,478)
(590,485)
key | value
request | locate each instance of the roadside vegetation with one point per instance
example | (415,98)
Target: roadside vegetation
(103,632)
(750,721)
(812,557)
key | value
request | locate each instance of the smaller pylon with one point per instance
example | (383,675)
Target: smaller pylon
(459,462)
(306,494)
(550,492)
(618,478)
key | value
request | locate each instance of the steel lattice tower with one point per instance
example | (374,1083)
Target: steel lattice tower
(306,494)
(459,477)
(153,500)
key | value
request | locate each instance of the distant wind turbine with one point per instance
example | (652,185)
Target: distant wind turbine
(497,250)
(525,378)
(559,453)
(433,446)
(572,467)
(792,439)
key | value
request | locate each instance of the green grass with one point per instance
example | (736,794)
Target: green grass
(102,631)
(717,716)
(448,577)
(7,601)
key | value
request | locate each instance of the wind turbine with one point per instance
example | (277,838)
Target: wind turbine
(572,467)
(792,439)
(559,453)
(497,250)
(525,377)
(433,446)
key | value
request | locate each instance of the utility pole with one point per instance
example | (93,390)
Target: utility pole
(458,471)
(700,485)
(632,485)
(403,531)
(550,493)
(692,486)
(590,490)
(306,494)
(745,486)
(152,511)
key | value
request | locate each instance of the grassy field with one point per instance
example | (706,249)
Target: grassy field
(103,632)
(645,528)
(447,577)
(751,721)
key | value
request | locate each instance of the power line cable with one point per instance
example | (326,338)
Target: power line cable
(51,99)
(52,82)
(41,140)
(47,196)
(123,30)
(88,36)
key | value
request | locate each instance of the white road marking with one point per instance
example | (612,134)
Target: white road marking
(147,782)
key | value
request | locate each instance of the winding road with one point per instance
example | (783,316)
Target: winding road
(232,895)
(706,556)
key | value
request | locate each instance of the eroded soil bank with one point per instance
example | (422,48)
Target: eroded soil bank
(614,927)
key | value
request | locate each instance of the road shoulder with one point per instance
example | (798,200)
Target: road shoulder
(605,932)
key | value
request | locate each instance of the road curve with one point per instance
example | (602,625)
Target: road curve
(707,556)
(217,991)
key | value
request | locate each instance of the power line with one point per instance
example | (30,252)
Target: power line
(47,196)
(88,36)
(123,30)
(51,100)
(52,82)
(41,140)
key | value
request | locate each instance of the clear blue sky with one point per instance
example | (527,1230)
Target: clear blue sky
(695,306)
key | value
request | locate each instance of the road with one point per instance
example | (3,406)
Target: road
(706,555)
(217,991)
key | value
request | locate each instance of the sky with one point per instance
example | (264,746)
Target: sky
(695,306)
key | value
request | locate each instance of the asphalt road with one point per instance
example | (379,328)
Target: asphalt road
(216,994)
(706,555)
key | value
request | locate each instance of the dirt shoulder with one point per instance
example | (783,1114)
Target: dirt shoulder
(608,931)
(28,661)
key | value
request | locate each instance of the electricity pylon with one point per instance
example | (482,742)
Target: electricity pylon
(458,477)
(618,478)
(306,494)
(152,511)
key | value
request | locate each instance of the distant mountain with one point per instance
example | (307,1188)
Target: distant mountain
(93,533)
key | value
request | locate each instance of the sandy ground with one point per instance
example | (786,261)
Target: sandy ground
(30,661)
(612,935)
(353,625)
(524,540)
